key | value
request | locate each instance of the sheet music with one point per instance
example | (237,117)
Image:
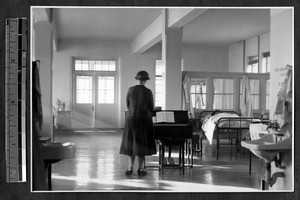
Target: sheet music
(165,116)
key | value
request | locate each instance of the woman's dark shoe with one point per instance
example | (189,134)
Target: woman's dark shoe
(142,172)
(128,172)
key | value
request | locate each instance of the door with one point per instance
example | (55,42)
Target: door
(105,112)
(83,114)
(94,94)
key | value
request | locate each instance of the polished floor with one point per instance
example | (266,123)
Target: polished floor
(98,166)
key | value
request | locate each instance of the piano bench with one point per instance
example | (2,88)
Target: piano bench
(180,143)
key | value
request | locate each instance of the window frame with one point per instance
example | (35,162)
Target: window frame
(253,61)
(95,74)
(209,76)
(267,57)
(195,93)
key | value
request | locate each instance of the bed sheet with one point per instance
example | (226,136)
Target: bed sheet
(209,124)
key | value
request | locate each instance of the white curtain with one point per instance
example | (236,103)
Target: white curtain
(187,103)
(246,101)
(254,89)
(223,94)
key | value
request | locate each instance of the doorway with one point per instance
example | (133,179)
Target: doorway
(94,94)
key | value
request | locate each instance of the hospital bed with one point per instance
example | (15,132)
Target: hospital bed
(225,125)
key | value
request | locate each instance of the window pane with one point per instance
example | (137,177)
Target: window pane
(84,89)
(85,65)
(255,68)
(198,92)
(193,88)
(101,84)
(98,66)
(105,65)
(110,97)
(249,69)
(91,65)
(77,64)
(106,86)
(200,101)
(95,65)
(110,83)
(112,66)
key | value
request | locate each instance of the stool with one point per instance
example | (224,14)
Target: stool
(171,142)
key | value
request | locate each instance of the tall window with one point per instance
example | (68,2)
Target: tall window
(223,94)
(158,82)
(266,62)
(198,93)
(104,73)
(252,66)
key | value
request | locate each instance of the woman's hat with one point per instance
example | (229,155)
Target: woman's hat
(142,75)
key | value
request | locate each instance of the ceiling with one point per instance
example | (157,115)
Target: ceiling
(221,26)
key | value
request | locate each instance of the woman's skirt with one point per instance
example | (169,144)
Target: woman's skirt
(138,137)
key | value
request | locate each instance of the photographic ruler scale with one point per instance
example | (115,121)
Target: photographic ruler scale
(15,99)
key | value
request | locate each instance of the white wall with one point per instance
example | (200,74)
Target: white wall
(205,58)
(42,51)
(281,51)
(236,57)
(264,43)
(281,54)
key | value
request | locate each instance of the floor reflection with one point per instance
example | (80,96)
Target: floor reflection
(98,166)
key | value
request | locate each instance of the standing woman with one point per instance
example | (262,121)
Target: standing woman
(138,137)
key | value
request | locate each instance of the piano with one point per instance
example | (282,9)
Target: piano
(172,134)
(180,129)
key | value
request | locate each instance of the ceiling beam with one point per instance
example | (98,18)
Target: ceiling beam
(178,17)
(149,37)
(153,33)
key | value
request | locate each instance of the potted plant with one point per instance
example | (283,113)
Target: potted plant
(60,105)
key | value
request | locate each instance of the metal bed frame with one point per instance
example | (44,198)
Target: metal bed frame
(231,129)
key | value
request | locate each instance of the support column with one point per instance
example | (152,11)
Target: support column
(172,75)
(42,50)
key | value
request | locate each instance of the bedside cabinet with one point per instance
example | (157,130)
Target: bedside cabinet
(63,119)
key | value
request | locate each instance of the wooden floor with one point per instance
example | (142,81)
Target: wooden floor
(98,166)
